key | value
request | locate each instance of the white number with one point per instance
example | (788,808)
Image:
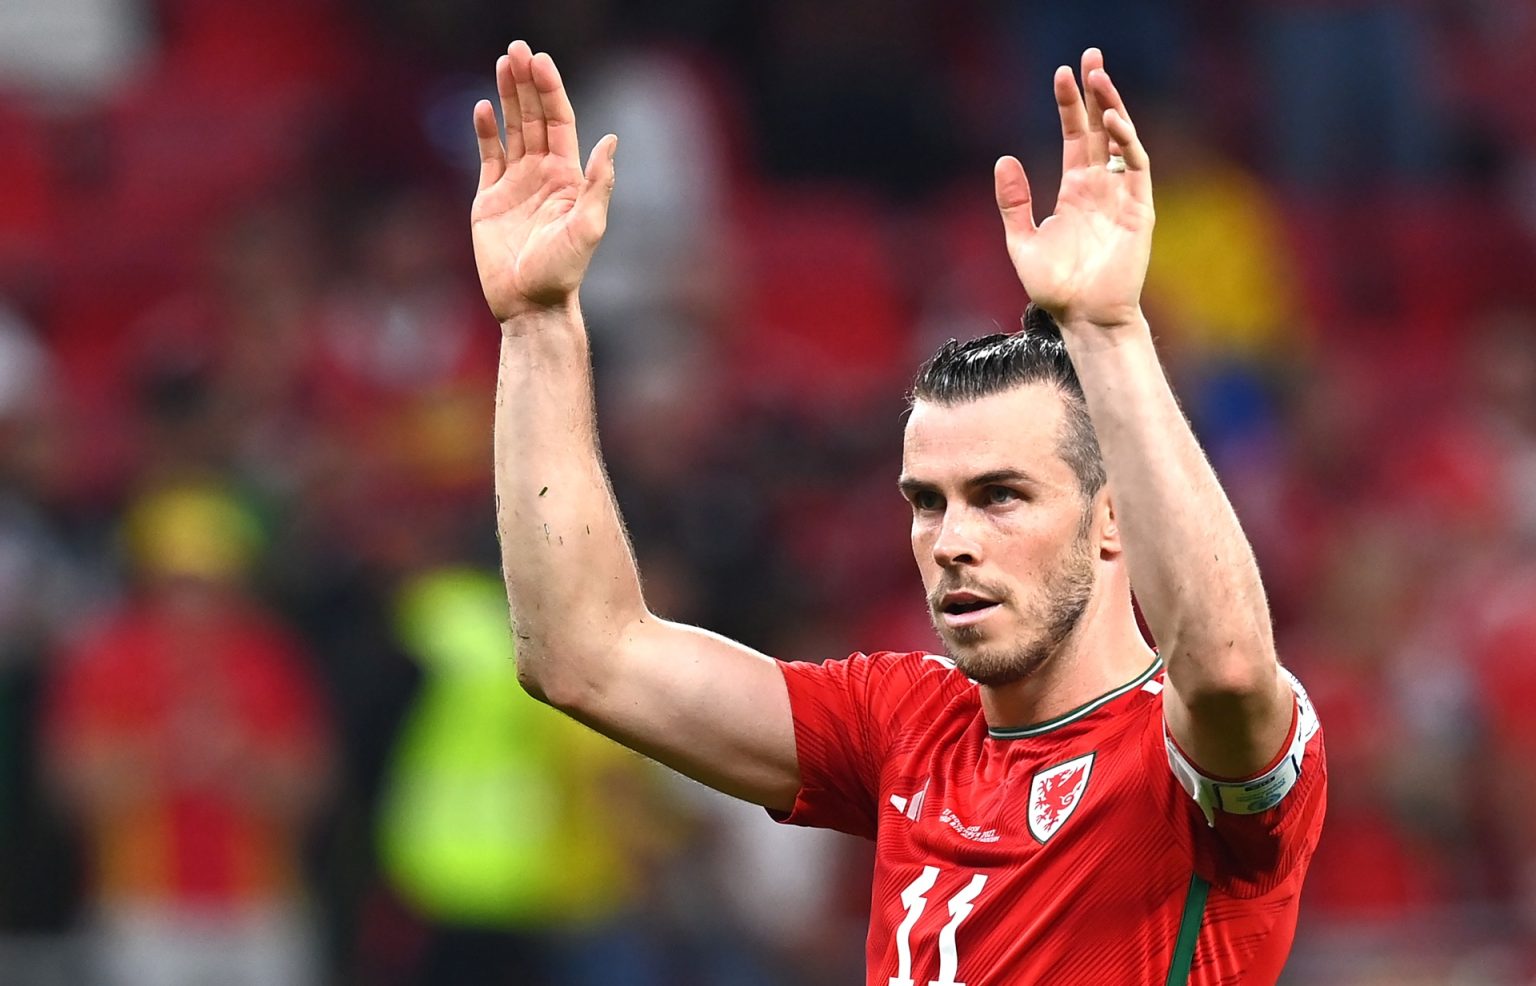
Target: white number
(959,908)
(914,900)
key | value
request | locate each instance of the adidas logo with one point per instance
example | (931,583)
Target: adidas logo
(911,807)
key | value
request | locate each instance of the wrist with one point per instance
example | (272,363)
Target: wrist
(543,319)
(1115,325)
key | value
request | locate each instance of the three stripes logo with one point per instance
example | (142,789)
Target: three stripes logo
(911,807)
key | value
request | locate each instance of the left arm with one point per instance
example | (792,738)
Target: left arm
(1227,705)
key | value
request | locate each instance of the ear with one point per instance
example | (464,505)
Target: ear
(1109,530)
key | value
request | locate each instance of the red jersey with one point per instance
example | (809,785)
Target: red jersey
(186,841)
(1083,850)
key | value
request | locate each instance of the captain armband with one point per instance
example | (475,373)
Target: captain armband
(1258,794)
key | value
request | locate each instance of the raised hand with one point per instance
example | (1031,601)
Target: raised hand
(1085,263)
(537,216)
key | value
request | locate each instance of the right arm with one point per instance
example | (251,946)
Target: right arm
(586,642)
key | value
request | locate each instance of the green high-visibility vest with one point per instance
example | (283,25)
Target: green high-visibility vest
(492,813)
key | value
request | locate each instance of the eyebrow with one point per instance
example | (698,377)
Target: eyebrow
(996,477)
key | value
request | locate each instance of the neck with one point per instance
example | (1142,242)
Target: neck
(1104,651)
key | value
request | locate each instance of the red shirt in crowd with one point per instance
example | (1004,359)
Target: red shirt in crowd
(178,723)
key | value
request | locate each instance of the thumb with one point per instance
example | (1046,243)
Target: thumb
(1013,199)
(597,190)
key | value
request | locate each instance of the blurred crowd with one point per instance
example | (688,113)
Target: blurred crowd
(258,718)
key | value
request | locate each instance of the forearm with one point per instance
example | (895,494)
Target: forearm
(1190,565)
(570,573)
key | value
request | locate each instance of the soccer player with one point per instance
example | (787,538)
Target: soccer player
(1053,802)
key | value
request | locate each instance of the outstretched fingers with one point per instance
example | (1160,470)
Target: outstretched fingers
(1074,121)
(1117,123)
(530,108)
(511,113)
(1098,140)
(559,117)
(493,157)
(1013,198)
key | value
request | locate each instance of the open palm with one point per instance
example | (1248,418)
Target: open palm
(537,216)
(1086,262)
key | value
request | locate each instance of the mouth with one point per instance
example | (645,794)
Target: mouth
(963,609)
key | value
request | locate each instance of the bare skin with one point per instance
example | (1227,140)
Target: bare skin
(711,708)
(997,513)
(1226,703)
(717,710)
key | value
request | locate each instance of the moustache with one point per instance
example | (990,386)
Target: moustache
(997,594)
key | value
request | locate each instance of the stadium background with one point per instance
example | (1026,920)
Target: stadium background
(243,358)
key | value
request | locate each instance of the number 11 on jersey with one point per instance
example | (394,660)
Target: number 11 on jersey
(915,900)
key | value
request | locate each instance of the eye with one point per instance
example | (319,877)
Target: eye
(926,500)
(999,495)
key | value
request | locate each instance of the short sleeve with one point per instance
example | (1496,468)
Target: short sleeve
(1249,835)
(842,712)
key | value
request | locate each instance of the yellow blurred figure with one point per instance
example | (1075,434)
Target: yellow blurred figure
(502,814)
(1221,271)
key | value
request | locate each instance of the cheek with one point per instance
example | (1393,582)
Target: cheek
(924,530)
(922,552)
(922,542)
(1031,549)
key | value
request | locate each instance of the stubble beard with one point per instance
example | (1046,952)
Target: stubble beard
(1065,592)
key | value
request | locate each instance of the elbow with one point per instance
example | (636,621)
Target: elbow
(531,681)
(566,678)
(573,668)
(547,682)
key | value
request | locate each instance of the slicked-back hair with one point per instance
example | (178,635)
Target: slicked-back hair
(966,371)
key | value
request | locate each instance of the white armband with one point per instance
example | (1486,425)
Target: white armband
(1259,794)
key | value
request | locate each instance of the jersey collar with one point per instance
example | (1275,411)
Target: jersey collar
(1024,732)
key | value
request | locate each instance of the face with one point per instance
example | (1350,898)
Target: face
(1001,531)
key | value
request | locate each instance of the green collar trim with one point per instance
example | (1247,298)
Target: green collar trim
(1024,732)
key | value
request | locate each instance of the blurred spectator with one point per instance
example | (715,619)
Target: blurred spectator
(521,838)
(52,570)
(1297,494)
(189,741)
(46,580)
(1221,279)
(1500,415)
(1375,866)
(656,290)
(1220,284)
(400,346)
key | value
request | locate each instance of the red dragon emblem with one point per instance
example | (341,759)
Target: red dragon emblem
(1055,793)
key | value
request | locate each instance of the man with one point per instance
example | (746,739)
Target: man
(189,738)
(1053,803)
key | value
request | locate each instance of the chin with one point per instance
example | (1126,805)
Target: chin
(994,665)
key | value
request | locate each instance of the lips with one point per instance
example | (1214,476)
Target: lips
(958,609)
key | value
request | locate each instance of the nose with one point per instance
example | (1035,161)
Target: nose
(955,545)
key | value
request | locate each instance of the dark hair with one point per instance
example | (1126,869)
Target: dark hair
(968,371)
